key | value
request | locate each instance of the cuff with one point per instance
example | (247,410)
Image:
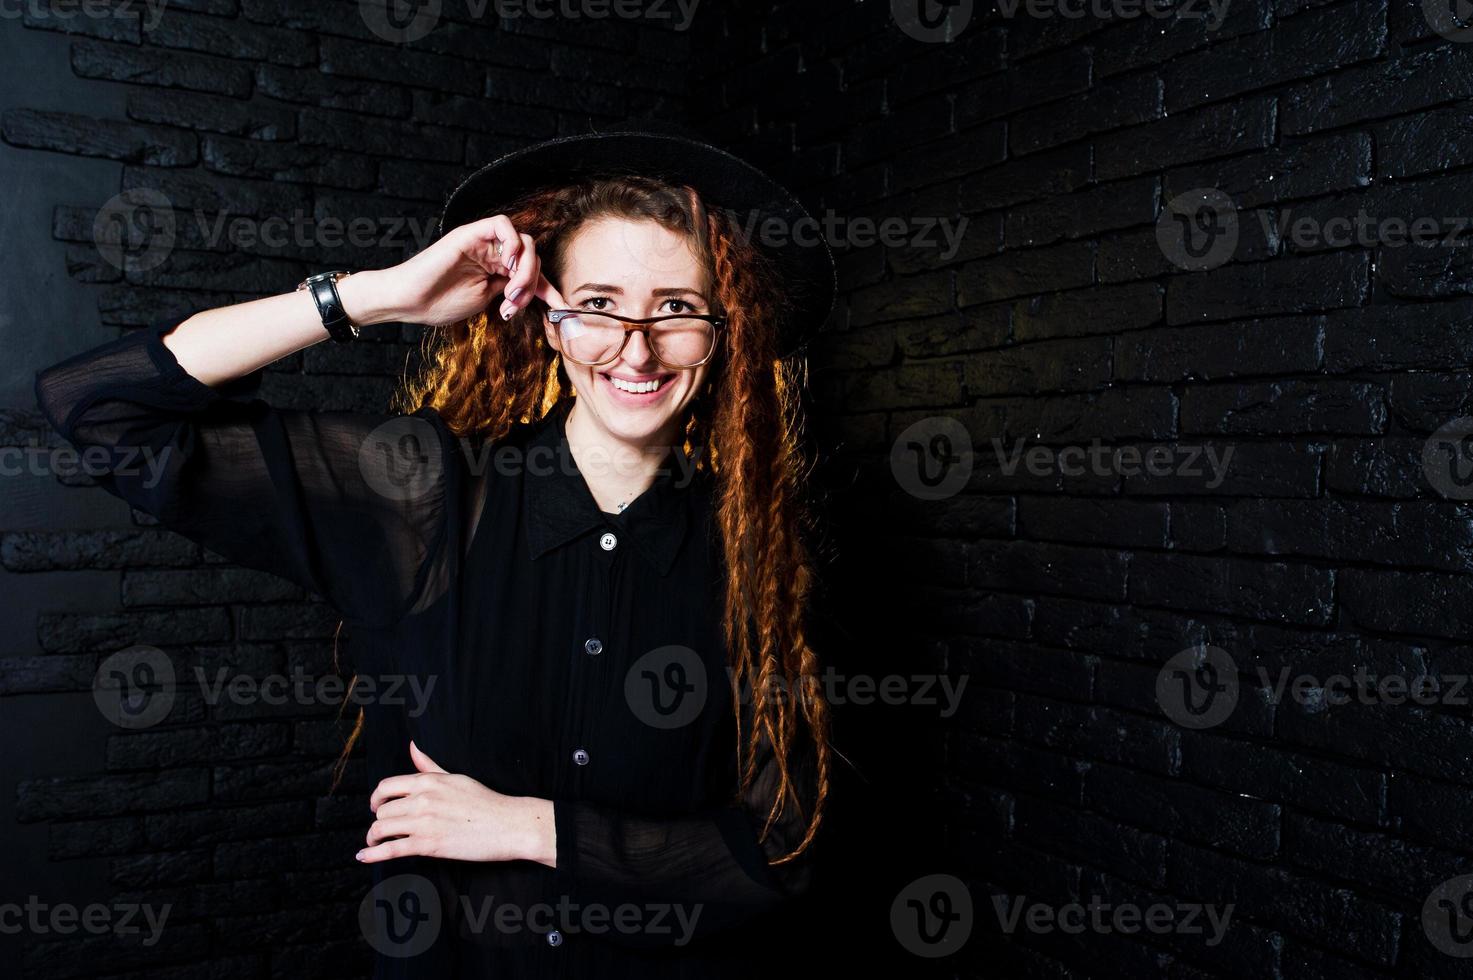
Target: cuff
(172,373)
(565,821)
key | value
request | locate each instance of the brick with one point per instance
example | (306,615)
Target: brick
(1110,105)
(340,131)
(286,162)
(207,113)
(1298,47)
(1438,74)
(1268,591)
(64,132)
(96,796)
(169,69)
(1200,134)
(232,39)
(308,86)
(1343,407)
(34,551)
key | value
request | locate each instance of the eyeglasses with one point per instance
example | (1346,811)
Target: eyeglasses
(678,341)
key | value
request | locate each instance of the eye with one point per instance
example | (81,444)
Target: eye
(680,302)
(595,299)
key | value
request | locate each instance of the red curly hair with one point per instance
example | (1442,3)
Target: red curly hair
(484,376)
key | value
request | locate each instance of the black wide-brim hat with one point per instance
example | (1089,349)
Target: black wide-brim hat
(800,256)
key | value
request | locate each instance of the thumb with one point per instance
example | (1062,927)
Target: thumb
(421,761)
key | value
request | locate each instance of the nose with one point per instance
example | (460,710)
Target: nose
(637,352)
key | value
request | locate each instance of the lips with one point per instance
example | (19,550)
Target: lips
(638,390)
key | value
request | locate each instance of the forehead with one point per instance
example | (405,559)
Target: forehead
(637,253)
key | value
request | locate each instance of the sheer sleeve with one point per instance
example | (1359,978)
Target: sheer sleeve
(708,869)
(348,505)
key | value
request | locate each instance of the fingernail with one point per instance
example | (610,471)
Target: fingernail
(359,855)
(507,310)
(512,263)
(515,293)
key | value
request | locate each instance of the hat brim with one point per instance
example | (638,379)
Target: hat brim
(767,212)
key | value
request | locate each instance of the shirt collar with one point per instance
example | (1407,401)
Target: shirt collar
(560,508)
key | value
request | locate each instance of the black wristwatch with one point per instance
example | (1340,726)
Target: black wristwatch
(325,294)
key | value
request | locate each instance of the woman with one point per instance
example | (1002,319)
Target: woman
(582,536)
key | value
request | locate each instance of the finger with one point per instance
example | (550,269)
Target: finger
(494,244)
(387,851)
(392,787)
(548,293)
(526,272)
(383,830)
(422,762)
(403,806)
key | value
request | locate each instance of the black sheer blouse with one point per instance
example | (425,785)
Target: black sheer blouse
(563,645)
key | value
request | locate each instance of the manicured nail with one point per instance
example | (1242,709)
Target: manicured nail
(507,309)
(512,264)
(359,855)
(515,293)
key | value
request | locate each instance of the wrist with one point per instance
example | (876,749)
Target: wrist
(541,831)
(362,295)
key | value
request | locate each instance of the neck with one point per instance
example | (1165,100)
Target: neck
(616,470)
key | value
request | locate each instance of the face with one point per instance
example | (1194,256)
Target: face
(634,268)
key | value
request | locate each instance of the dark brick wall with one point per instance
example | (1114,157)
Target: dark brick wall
(1082,605)
(236,112)
(1085,605)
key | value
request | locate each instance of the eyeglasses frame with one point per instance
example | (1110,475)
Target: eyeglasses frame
(641,325)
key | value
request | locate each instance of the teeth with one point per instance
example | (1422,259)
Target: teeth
(637,387)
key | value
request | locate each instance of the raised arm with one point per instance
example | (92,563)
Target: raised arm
(347,505)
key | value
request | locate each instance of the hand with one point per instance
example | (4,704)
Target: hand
(433,813)
(456,277)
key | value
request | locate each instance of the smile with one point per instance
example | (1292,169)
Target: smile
(641,386)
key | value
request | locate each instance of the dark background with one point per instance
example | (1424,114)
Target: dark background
(1060,320)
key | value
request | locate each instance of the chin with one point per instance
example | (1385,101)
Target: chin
(638,410)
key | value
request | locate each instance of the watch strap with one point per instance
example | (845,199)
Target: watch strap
(324,290)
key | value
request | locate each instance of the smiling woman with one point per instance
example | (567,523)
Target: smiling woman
(607,778)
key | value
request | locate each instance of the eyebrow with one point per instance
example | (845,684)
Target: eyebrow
(603,287)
